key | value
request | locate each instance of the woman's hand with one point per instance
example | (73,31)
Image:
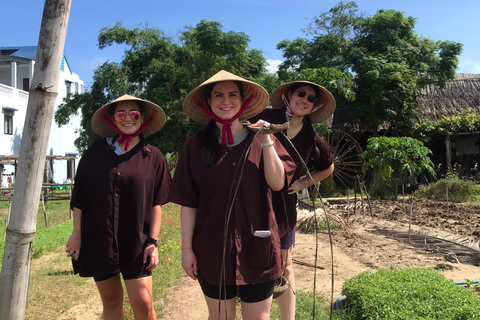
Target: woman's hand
(152,252)
(295,187)
(262,137)
(189,263)
(73,245)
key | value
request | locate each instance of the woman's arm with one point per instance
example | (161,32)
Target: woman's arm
(75,241)
(189,260)
(306,181)
(273,166)
(151,250)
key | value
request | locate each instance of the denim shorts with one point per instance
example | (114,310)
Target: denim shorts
(288,240)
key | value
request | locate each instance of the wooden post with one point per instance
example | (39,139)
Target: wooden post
(44,212)
(448,152)
(1,176)
(355,197)
(348,203)
(446,192)
(410,218)
(21,228)
(361,196)
(368,198)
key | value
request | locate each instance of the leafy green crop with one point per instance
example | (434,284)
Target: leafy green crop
(408,294)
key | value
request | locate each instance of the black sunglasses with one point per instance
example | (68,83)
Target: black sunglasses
(311,97)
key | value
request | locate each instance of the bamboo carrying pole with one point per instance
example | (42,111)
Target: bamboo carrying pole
(21,228)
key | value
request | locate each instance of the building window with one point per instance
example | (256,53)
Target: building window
(26,84)
(68,85)
(8,122)
(76,87)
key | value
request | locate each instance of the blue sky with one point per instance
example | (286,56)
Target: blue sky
(265,22)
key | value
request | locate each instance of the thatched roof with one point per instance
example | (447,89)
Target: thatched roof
(462,94)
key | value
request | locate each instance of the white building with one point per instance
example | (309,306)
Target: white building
(16,72)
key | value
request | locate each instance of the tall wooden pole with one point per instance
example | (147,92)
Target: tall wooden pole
(21,228)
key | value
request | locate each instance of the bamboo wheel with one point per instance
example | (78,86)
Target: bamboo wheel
(348,163)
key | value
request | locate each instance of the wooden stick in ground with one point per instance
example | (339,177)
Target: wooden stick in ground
(44,213)
(21,227)
(446,193)
(348,203)
(355,199)
(361,196)
(368,199)
(410,218)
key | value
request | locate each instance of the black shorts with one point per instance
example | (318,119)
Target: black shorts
(248,293)
(142,274)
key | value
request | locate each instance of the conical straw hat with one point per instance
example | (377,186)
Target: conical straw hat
(258,103)
(103,129)
(319,115)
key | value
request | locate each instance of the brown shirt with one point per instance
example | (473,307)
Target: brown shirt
(249,259)
(116,195)
(314,152)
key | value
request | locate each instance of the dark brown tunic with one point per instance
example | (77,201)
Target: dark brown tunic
(314,152)
(116,195)
(249,259)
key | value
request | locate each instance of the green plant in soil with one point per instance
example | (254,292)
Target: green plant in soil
(455,189)
(408,294)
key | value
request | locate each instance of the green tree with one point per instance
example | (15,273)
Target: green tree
(157,68)
(388,62)
(396,158)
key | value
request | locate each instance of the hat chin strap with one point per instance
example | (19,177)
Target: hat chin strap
(123,136)
(226,124)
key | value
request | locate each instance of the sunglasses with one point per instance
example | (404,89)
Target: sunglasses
(120,115)
(311,97)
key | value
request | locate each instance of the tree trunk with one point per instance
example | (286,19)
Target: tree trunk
(21,228)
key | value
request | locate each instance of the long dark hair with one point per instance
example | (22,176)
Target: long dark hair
(210,149)
(306,120)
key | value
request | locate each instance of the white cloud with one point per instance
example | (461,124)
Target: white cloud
(469,66)
(96,62)
(272,66)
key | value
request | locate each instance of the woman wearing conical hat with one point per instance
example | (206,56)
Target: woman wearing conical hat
(301,103)
(120,186)
(229,233)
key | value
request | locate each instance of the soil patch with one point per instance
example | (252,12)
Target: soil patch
(371,240)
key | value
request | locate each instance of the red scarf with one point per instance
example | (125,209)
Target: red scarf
(123,136)
(226,124)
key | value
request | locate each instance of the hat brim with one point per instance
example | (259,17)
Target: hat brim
(326,100)
(258,103)
(150,110)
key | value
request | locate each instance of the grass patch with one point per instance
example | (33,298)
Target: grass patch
(57,212)
(408,294)
(53,288)
(304,307)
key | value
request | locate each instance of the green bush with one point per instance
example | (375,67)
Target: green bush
(458,190)
(327,187)
(380,188)
(408,294)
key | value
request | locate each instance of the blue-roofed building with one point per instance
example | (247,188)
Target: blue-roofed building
(17,66)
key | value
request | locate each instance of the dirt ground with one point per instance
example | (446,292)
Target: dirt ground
(370,243)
